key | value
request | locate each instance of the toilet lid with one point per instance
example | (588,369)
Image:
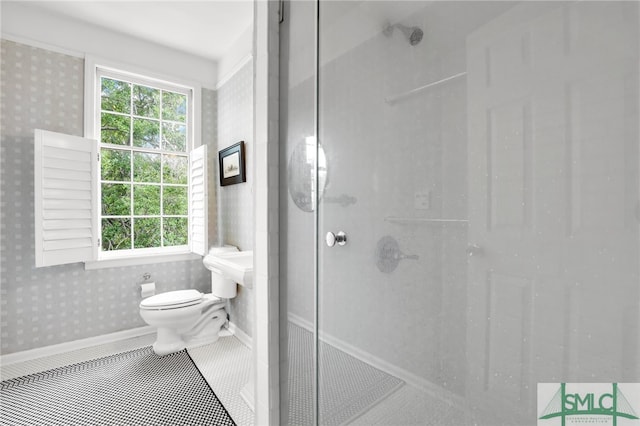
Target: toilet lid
(172,299)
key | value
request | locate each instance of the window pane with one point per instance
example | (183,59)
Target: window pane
(115,129)
(115,95)
(146,232)
(175,200)
(115,165)
(116,234)
(116,199)
(146,167)
(175,169)
(174,137)
(146,133)
(174,107)
(175,231)
(146,101)
(146,200)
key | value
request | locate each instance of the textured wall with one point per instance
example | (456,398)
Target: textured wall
(210,138)
(45,306)
(235,123)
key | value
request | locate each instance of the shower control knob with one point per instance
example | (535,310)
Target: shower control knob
(332,239)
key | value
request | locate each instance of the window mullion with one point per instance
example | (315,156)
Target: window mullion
(144,150)
(162,200)
(161,173)
(131,171)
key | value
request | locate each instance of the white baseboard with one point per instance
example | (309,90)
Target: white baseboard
(241,335)
(393,370)
(74,345)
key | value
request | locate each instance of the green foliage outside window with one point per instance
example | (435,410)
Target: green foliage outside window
(116,199)
(175,231)
(175,169)
(174,200)
(146,133)
(174,137)
(146,200)
(115,129)
(115,95)
(146,167)
(146,102)
(145,172)
(174,107)
(146,232)
(116,234)
(116,165)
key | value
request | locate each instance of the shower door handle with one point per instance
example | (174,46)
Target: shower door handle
(331,238)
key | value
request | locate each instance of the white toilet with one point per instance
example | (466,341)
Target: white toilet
(188,317)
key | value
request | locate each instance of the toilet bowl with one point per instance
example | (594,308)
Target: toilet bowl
(186,318)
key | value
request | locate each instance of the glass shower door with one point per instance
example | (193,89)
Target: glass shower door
(477,231)
(392,122)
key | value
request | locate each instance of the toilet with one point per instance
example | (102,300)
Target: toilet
(186,318)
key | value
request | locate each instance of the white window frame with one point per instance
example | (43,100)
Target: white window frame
(96,67)
(102,73)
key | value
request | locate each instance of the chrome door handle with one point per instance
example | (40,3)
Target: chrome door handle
(332,239)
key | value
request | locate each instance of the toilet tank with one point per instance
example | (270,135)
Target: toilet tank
(220,286)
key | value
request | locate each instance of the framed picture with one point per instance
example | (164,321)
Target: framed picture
(232,165)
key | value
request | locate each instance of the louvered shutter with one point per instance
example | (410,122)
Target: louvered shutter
(198,200)
(65,179)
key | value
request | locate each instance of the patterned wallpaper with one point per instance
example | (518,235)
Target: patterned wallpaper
(46,306)
(210,138)
(235,123)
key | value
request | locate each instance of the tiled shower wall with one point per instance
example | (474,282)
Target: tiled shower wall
(45,306)
(235,124)
(382,155)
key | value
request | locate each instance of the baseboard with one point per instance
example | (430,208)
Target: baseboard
(393,370)
(241,335)
(74,345)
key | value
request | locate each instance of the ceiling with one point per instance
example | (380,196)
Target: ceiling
(205,28)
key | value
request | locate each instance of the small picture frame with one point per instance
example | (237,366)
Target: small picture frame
(231,164)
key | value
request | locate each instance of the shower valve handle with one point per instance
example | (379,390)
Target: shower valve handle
(332,239)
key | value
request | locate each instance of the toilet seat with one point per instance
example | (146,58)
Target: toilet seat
(172,300)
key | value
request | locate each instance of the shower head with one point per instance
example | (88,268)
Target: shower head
(413,34)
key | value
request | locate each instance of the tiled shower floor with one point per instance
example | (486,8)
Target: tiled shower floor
(225,365)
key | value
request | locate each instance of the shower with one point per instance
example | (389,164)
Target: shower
(413,34)
(477,153)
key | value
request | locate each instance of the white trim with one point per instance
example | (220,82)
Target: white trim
(139,260)
(393,370)
(241,335)
(40,45)
(198,197)
(234,70)
(90,96)
(74,345)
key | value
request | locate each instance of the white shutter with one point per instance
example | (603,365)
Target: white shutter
(66,216)
(198,200)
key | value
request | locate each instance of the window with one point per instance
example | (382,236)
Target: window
(136,187)
(144,131)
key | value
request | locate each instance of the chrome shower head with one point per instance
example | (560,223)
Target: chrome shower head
(413,34)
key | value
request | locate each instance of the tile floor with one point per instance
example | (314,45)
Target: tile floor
(224,364)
